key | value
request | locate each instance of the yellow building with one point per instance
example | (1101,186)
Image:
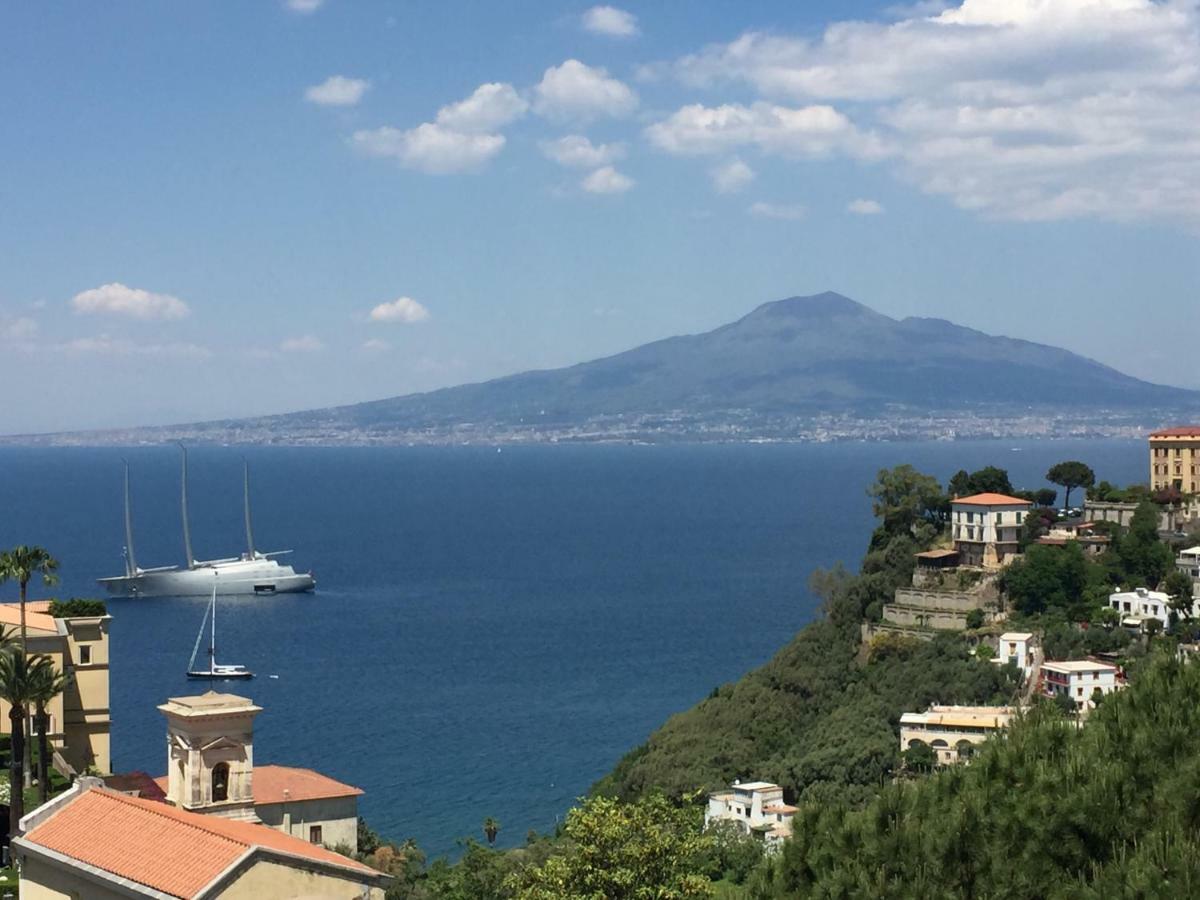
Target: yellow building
(79,717)
(1175,458)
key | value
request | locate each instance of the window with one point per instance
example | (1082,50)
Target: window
(85,655)
(999,518)
(220,782)
(314,834)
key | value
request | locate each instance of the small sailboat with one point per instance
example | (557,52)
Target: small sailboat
(215,671)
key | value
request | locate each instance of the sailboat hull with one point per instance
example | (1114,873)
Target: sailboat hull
(243,576)
(221,676)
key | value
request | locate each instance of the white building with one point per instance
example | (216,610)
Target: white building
(952,731)
(1188,562)
(1136,607)
(987,528)
(756,807)
(1016,647)
(1079,679)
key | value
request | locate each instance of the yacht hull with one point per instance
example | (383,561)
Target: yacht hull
(238,577)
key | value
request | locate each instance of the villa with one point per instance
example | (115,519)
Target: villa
(78,647)
(1140,606)
(986,528)
(755,807)
(1079,679)
(953,732)
(1018,648)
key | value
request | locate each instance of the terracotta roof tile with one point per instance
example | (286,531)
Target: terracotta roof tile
(10,614)
(1177,431)
(990,499)
(159,846)
(301,784)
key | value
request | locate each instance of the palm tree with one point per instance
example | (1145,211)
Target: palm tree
(20,564)
(16,687)
(47,683)
(490,828)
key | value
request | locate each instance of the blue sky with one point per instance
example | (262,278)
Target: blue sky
(217,209)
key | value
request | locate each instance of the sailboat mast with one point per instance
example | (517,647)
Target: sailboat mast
(212,647)
(187,535)
(130,559)
(246,493)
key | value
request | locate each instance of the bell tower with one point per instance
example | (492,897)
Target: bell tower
(210,754)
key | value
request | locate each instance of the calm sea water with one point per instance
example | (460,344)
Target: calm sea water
(492,631)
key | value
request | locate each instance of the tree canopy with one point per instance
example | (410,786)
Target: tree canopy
(1071,474)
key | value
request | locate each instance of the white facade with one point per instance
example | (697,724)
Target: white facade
(1079,679)
(1188,562)
(1137,606)
(986,528)
(756,807)
(1016,647)
(951,731)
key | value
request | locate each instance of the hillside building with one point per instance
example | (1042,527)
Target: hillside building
(1020,649)
(952,732)
(755,807)
(986,528)
(79,717)
(1175,458)
(1142,605)
(1079,679)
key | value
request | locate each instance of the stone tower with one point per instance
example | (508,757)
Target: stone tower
(210,754)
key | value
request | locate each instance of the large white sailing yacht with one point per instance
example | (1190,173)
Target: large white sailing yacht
(251,573)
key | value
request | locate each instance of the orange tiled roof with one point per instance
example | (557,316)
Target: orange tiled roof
(989,499)
(301,784)
(1177,431)
(36,616)
(164,848)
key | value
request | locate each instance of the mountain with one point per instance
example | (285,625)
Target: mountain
(819,367)
(802,355)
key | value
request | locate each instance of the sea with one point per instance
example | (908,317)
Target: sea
(493,628)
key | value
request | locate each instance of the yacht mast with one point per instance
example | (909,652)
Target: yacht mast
(246,493)
(187,535)
(130,559)
(212,647)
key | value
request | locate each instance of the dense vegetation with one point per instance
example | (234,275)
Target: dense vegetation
(77,607)
(1109,810)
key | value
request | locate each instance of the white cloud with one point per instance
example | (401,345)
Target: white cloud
(119,300)
(304,7)
(731,177)
(490,107)
(337,90)
(17,329)
(430,148)
(791,212)
(1019,109)
(862,207)
(305,343)
(461,140)
(404,310)
(609,20)
(809,131)
(375,345)
(107,345)
(576,91)
(606,181)
(577,152)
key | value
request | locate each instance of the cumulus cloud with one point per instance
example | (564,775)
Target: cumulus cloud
(610,21)
(577,152)
(375,345)
(430,148)
(863,207)
(305,343)
(764,210)
(809,131)
(577,91)
(490,107)
(337,90)
(304,7)
(118,300)
(107,345)
(1020,109)
(404,310)
(731,177)
(462,138)
(606,180)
